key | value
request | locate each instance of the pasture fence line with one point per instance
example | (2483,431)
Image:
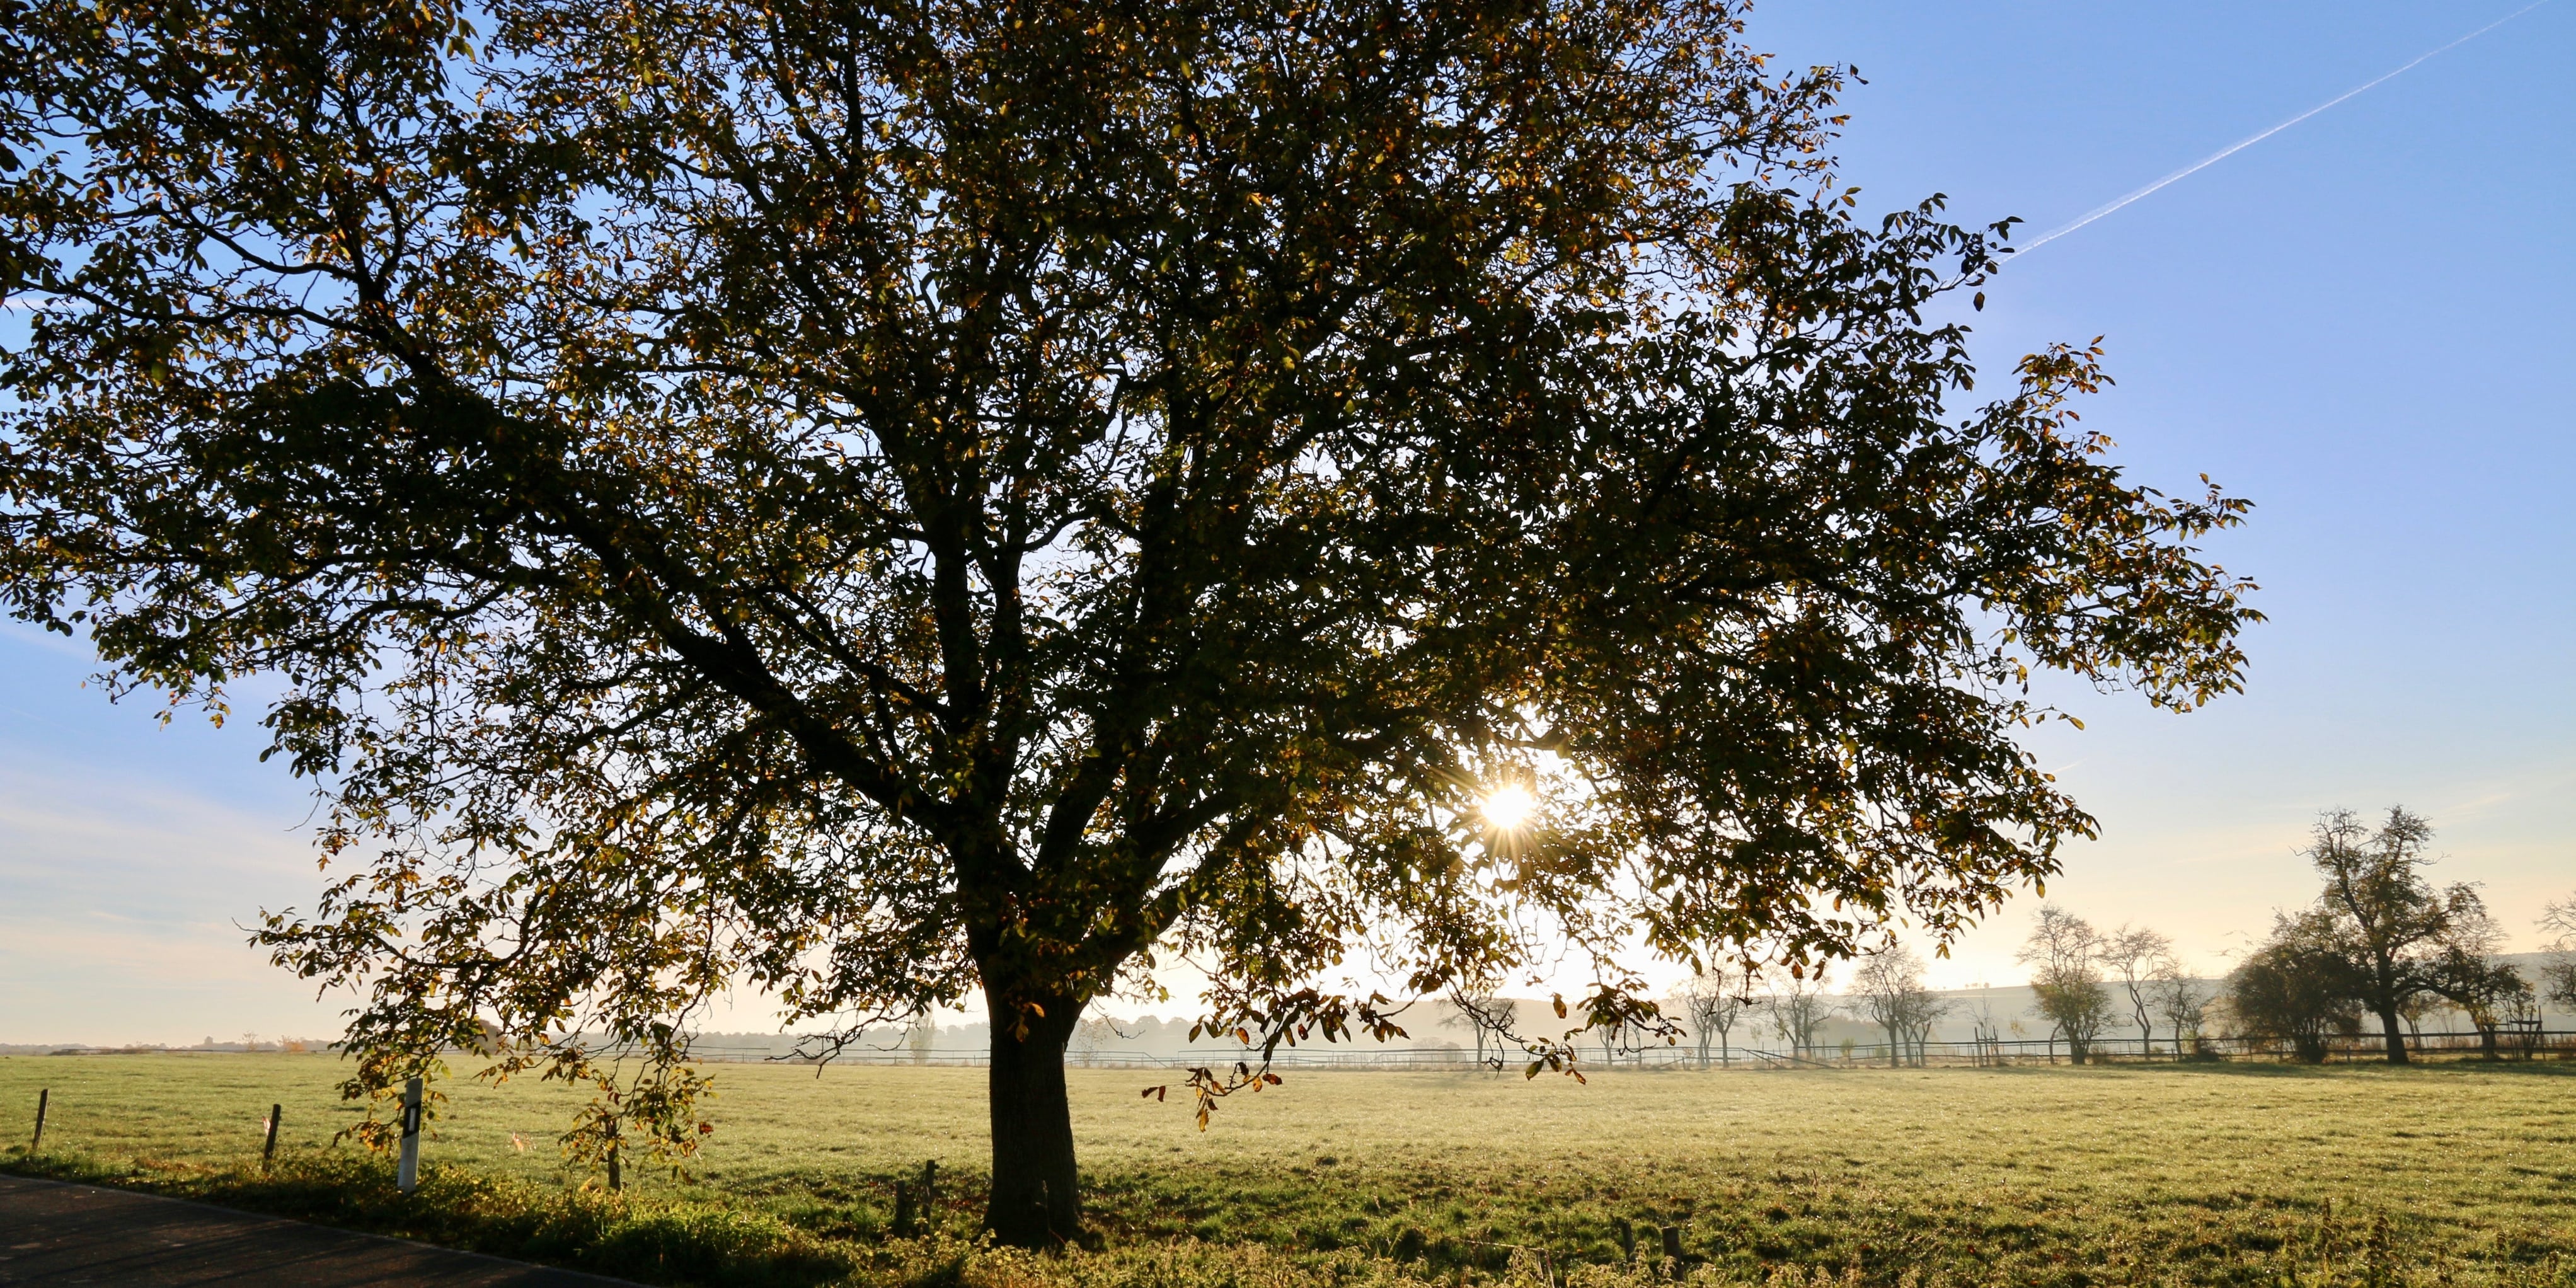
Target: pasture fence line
(2515,1044)
(2509,1042)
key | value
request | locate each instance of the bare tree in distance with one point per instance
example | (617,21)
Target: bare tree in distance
(1714,1000)
(1798,1006)
(2557,983)
(1094,1031)
(2523,1014)
(2135,955)
(2558,921)
(1989,1029)
(2064,954)
(2490,991)
(1922,1015)
(1889,987)
(2558,974)
(1489,1018)
(2472,979)
(2182,999)
(2419,1008)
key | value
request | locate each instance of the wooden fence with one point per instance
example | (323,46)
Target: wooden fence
(2511,1044)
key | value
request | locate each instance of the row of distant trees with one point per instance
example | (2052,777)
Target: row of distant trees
(1887,990)
(2381,942)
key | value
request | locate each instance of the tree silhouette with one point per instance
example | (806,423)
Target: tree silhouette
(883,503)
(2398,934)
(2064,953)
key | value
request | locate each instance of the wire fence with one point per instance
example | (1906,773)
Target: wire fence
(2507,1043)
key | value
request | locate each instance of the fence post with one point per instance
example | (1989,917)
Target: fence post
(44,1095)
(407,1170)
(903,1209)
(268,1147)
(616,1180)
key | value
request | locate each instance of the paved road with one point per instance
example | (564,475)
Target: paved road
(81,1234)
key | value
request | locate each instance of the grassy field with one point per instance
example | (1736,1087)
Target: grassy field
(2230,1174)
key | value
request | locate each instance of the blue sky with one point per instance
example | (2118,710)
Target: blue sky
(2362,323)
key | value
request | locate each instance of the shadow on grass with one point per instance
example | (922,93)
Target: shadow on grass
(682,1244)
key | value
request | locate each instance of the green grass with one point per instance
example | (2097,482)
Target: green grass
(2233,1174)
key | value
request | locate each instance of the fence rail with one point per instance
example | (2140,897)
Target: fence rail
(2510,1044)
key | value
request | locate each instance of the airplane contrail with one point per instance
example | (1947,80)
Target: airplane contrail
(2250,140)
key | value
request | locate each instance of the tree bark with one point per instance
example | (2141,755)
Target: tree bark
(1035,1201)
(2396,1036)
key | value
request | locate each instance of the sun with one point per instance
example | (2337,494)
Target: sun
(1509,806)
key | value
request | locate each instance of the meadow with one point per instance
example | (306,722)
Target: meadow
(2216,1174)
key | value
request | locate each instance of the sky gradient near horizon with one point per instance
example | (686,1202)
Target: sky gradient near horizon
(2361,323)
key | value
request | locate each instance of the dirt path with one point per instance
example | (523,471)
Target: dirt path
(80,1234)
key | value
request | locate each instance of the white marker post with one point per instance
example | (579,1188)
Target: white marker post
(407,1172)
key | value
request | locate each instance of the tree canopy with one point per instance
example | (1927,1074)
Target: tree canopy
(887,502)
(2298,987)
(2399,936)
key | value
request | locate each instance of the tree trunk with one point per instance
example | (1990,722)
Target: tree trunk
(1035,1202)
(2396,1036)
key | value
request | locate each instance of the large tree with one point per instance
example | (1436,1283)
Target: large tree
(2395,929)
(893,502)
